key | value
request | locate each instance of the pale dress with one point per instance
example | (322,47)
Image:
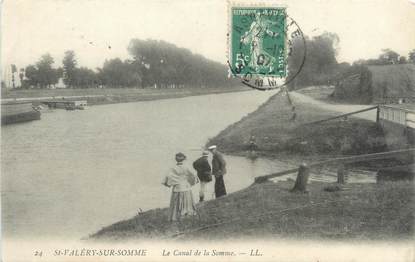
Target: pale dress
(181,179)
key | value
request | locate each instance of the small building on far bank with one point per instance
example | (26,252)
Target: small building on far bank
(60,84)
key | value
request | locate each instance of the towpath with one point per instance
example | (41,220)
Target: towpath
(341,108)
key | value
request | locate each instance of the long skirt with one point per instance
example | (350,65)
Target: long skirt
(220,189)
(181,204)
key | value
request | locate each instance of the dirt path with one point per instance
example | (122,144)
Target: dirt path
(341,108)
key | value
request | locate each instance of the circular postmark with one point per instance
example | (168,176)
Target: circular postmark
(267,48)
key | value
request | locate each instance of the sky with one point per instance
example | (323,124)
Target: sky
(101,29)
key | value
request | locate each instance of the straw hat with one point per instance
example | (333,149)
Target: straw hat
(212,147)
(180,157)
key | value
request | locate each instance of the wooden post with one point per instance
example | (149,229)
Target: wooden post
(261,179)
(342,174)
(377,114)
(302,179)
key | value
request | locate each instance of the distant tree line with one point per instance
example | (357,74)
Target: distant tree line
(321,66)
(163,64)
(156,64)
(160,64)
(42,74)
(389,57)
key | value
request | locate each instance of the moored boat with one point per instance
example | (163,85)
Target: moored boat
(16,112)
(66,104)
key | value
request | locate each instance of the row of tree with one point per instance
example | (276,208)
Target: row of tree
(388,57)
(321,66)
(163,65)
(73,76)
(152,64)
(41,74)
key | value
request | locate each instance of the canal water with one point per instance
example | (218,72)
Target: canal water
(73,172)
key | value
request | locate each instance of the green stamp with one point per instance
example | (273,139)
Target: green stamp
(257,40)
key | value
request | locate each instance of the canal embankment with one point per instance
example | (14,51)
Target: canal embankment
(99,96)
(295,127)
(270,210)
(282,128)
(63,97)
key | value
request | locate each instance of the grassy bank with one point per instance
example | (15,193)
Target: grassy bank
(393,81)
(376,84)
(97,96)
(359,212)
(279,133)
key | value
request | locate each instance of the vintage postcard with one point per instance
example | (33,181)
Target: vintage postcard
(192,130)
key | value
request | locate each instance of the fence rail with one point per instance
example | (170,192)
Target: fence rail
(402,116)
(342,115)
(341,160)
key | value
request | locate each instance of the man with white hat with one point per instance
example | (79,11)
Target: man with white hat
(202,166)
(218,170)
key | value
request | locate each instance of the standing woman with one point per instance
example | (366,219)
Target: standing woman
(181,179)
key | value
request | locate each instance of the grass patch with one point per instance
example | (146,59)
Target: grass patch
(393,81)
(359,211)
(278,134)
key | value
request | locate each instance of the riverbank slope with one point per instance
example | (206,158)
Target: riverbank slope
(282,129)
(269,210)
(98,96)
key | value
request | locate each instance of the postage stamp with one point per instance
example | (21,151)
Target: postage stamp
(261,41)
(138,134)
(258,42)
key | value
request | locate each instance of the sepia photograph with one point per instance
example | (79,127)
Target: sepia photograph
(195,130)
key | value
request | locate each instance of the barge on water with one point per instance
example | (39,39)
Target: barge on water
(66,104)
(16,112)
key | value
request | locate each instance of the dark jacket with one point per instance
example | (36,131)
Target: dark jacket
(218,164)
(203,169)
